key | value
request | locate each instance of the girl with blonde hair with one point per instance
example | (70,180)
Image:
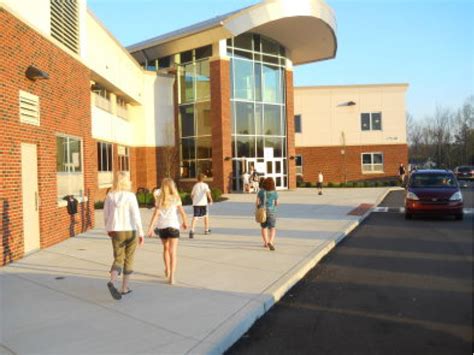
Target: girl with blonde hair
(123,223)
(165,224)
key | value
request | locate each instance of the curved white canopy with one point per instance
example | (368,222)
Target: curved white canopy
(305,27)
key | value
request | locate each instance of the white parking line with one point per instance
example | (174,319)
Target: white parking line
(402,210)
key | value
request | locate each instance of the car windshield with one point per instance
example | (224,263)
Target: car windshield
(433,180)
(465,169)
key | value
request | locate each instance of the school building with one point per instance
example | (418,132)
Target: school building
(76,106)
(351,132)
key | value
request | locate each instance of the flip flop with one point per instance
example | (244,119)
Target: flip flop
(113,291)
(126,292)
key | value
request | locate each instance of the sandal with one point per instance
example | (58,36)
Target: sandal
(126,292)
(113,291)
(270,245)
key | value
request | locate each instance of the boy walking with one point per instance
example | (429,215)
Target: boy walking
(319,184)
(201,196)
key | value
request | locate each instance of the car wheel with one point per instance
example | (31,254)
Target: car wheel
(459,217)
(408,216)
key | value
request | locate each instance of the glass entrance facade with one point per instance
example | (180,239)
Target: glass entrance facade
(258,89)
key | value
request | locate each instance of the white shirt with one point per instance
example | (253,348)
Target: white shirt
(199,194)
(320,177)
(168,217)
(121,212)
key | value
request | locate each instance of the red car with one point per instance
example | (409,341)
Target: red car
(464,172)
(433,192)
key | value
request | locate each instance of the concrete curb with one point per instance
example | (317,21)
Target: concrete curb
(236,326)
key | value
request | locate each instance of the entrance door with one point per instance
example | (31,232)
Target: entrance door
(276,170)
(29,183)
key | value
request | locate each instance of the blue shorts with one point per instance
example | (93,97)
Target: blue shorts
(270,222)
(200,211)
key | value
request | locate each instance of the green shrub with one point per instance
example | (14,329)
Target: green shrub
(98,205)
(349,184)
(330,184)
(216,194)
(185,198)
(299,181)
(308,184)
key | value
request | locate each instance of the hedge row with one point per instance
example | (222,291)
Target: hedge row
(145,198)
(371,183)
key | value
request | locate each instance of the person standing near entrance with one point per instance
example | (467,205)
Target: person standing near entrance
(201,196)
(246,182)
(123,224)
(254,180)
(402,173)
(165,224)
(319,184)
(268,198)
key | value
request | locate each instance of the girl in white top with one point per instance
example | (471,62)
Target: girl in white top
(166,224)
(123,224)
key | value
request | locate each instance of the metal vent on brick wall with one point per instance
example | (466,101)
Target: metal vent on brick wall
(29,108)
(65,23)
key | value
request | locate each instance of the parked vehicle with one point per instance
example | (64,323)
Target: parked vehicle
(465,172)
(433,191)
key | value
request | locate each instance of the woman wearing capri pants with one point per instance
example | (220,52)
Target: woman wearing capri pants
(123,224)
(269,197)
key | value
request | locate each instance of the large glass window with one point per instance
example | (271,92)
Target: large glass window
(104,156)
(195,113)
(258,102)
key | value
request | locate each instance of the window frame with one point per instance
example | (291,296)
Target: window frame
(123,159)
(299,118)
(372,164)
(110,160)
(300,170)
(61,175)
(370,129)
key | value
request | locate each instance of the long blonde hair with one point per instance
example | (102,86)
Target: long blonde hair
(122,182)
(168,194)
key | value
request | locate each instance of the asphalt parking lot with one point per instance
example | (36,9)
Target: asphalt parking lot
(393,286)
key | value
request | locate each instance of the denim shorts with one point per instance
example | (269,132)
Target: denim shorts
(200,211)
(270,222)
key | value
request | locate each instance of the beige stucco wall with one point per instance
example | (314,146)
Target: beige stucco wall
(324,120)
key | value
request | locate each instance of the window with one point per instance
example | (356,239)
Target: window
(122,108)
(101,97)
(299,164)
(298,124)
(69,166)
(371,121)
(104,156)
(104,164)
(29,108)
(123,158)
(65,23)
(372,162)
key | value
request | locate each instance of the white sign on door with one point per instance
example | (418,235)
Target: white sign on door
(268,153)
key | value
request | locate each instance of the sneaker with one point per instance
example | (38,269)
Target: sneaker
(207,232)
(191,235)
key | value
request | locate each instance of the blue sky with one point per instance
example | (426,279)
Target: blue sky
(426,43)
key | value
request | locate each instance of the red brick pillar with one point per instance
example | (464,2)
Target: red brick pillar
(221,125)
(290,129)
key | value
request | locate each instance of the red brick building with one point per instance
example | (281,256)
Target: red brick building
(350,133)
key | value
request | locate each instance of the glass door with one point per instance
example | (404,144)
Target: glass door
(275,169)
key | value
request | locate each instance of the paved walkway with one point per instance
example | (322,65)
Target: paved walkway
(56,301)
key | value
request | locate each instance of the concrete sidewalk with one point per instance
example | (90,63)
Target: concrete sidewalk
(56,301)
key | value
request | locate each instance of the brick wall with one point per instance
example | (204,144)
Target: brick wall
(290,129)
(334,165)
(65,109)
(221,125)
